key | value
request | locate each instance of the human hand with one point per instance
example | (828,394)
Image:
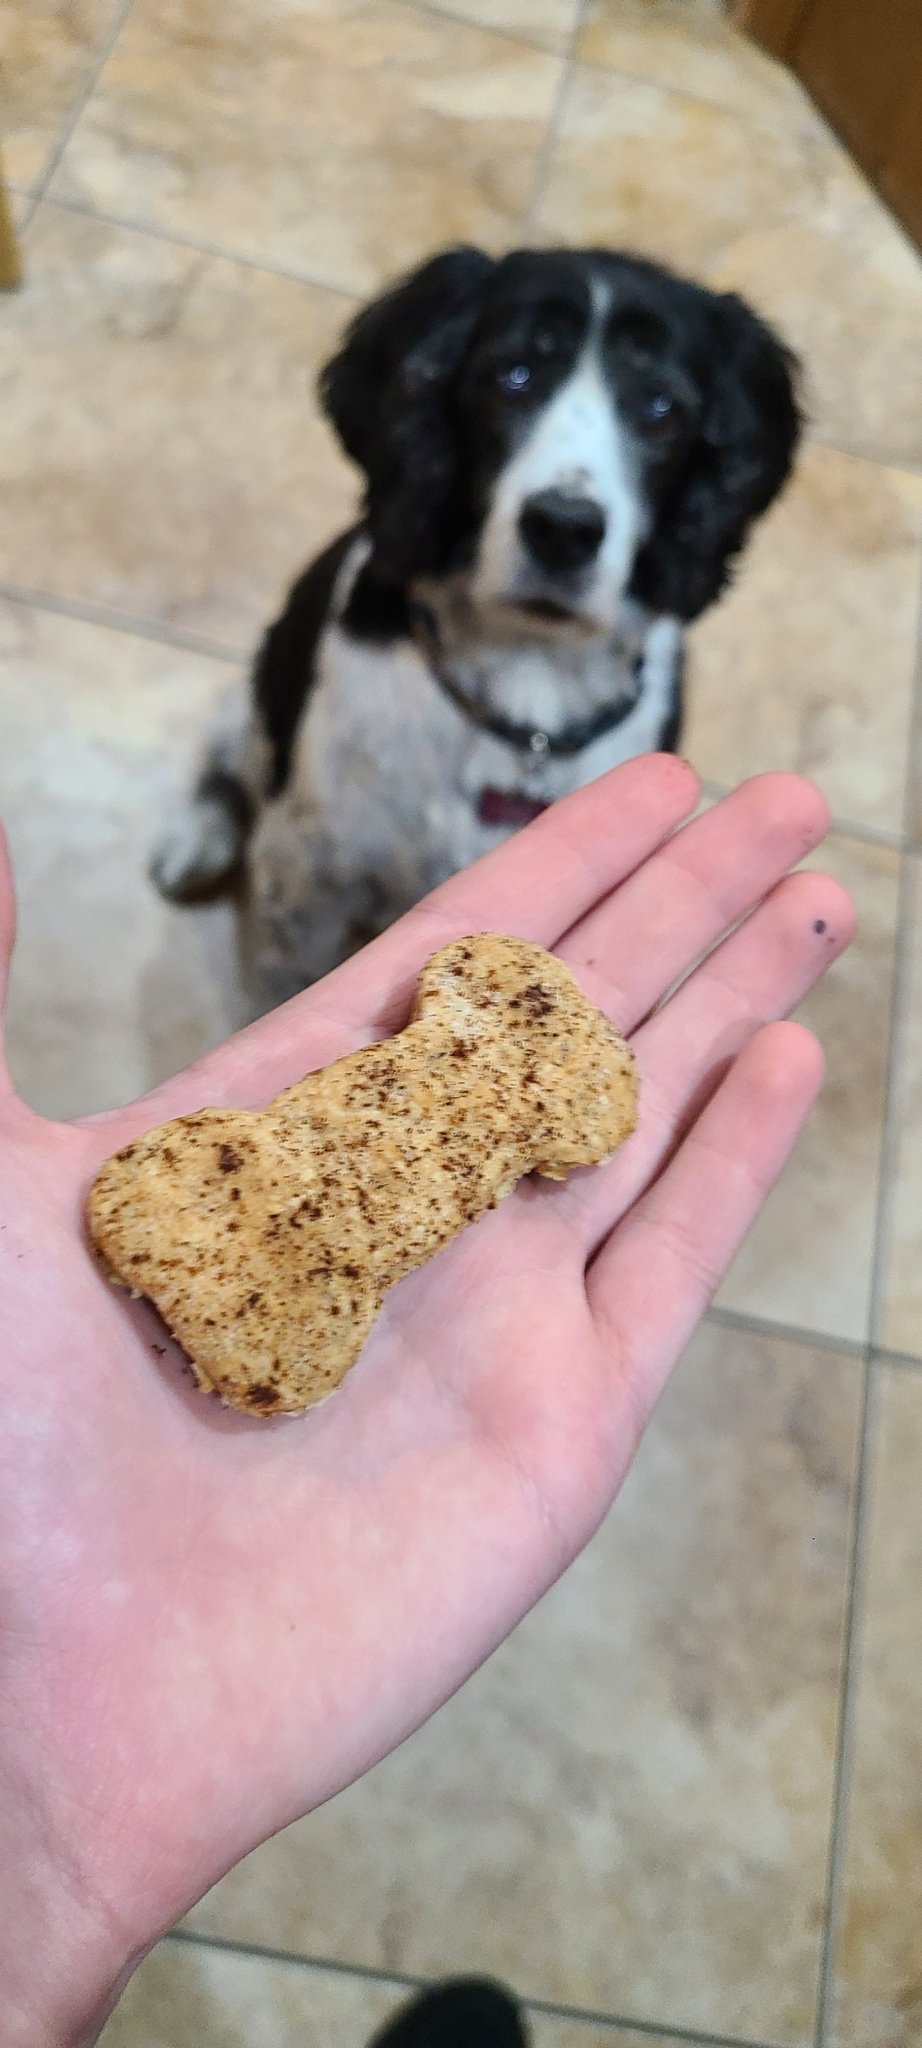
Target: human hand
(209,1623)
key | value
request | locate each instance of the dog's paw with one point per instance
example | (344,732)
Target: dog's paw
(198,853)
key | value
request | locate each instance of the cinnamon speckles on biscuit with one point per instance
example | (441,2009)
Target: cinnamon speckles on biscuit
(268,1239)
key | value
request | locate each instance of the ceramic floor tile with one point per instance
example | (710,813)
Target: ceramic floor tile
(47,52)
(697,50)
(879,1987)
(901,1302)
(660,171)
(548,2031)
(782,216)
(368,133)
(844,283)
(185,1994)
(549,22)
(808,662)
(808,1262)
(111,989)
(188,476)
(651,1750)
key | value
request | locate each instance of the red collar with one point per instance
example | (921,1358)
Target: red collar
(508,807)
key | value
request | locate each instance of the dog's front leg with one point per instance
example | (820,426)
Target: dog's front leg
(303,911)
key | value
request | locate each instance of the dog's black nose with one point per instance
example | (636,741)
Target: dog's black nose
(561,531)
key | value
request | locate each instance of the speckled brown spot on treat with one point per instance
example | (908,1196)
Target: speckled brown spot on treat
(361,1172)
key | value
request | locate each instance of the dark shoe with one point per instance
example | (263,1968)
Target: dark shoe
(465,2012)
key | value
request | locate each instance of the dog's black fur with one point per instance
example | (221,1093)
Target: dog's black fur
(413,400)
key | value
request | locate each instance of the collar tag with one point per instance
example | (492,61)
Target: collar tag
(509,807)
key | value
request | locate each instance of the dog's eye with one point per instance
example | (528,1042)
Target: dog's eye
(514,377)
(658,411)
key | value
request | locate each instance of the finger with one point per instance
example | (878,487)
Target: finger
(757,976)
(630,949)
(654,1277)
(535,885)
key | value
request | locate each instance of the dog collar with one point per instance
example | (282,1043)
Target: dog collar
(529,739)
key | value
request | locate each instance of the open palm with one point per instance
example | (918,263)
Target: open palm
(212,1623)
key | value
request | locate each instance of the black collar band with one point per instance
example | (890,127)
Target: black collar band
(529,739)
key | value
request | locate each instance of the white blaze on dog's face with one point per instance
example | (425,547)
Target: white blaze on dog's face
(566,514)
(560,428)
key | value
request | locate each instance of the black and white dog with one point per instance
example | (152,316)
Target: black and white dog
(563,451)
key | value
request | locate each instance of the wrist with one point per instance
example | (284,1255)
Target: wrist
(42,2013)
(63,1964)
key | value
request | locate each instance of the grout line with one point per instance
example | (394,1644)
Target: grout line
(897,1361)
(193,1937)
(650,2029)
(124,622)
(841,1774)
(899,1014)
(224,253)
(405,1980)
(869,835)
(878,458)
(549,139)
(750,1325)
(787,1333)
(77,110)
(805,131)
(520,37)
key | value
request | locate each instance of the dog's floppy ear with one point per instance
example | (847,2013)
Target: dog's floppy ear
(387,394)
(743,453)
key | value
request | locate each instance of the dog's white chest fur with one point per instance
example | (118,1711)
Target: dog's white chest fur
(383,800)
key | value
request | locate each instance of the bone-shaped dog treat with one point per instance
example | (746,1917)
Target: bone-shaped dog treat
(268,1239)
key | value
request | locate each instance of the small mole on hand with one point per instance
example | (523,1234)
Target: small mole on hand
(820,926)
(159,1349)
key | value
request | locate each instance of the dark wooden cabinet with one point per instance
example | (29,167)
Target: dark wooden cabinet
(862,62)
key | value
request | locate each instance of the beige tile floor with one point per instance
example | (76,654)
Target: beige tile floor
(685,1801)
